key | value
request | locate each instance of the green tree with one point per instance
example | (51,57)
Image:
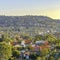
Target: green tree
(38,37)
(27,37)
(51,38)
(16,53)
(58,42)
(5,51)
(5,37)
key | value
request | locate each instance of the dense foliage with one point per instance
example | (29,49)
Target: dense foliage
(5,51)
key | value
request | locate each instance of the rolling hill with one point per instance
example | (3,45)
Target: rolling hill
(29,24)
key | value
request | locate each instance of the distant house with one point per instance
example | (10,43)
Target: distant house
(39,45)
(23,43)
(41,42)
(27,41)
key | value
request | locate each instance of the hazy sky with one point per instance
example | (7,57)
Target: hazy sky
(30,7)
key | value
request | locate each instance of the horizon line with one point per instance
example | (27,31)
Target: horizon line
(30,15)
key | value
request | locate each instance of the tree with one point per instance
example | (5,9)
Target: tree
(5,51)
(51,38)
(58,42)
(16,53)
(27,37)
(5,37)
(38,37)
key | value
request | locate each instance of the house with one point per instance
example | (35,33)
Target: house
(23,43)
(27,41)
(42,42)
(39,45)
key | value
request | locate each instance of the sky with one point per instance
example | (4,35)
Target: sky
(49,8)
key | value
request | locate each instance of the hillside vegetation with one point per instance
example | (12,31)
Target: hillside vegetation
(29,24)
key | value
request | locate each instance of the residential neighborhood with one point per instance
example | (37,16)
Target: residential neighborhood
(26,48)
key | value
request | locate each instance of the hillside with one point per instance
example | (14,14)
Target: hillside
(29,24)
